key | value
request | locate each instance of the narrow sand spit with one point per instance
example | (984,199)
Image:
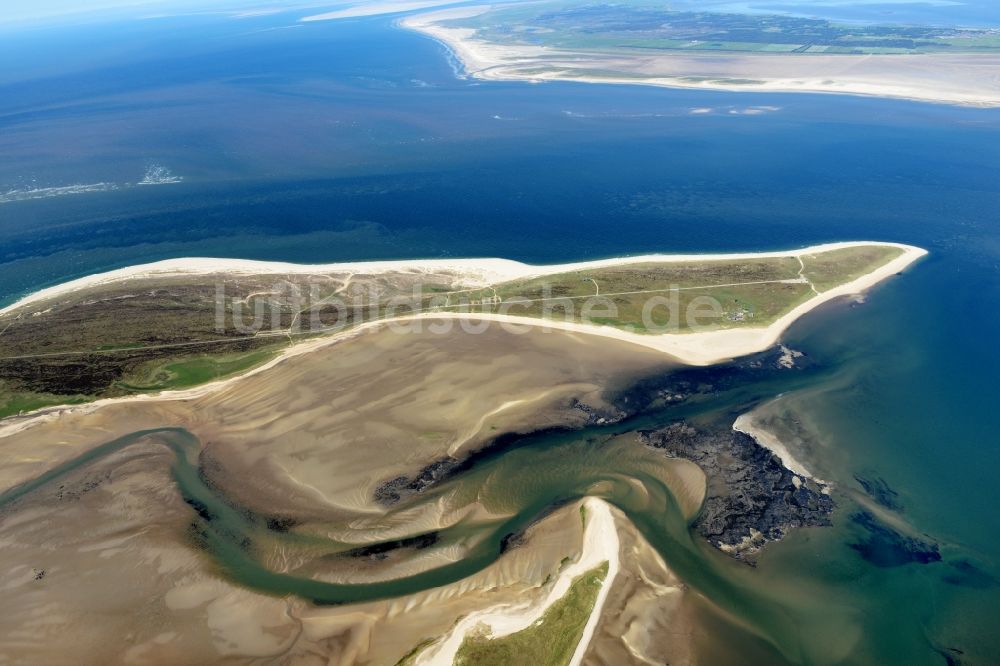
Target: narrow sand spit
(947,78)
(600,544)
(746,425)
(471,272)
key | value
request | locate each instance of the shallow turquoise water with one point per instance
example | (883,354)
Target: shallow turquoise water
(526,479)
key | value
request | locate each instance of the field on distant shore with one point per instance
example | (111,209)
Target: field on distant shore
(616,27)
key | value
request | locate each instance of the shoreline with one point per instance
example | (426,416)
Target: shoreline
(745,424)
(698,348)
(694,348)
(474,272)
(497,62)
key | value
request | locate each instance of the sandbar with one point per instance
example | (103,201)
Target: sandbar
(959,79)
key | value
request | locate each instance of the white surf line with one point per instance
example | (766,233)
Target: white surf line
(600,544)
(33,194)
(701,347)
(698,348)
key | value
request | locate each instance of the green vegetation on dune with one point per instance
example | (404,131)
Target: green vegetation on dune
(829,269)
(184,373)
(683,297)
(661,298)
(550,641)
(161,333)
(169,333)
(13,403)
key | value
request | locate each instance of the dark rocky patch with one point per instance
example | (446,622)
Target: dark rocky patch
(394,490)
(511,541)
(685,383)
(280,524)
(200,508)
(597,416)
(635,397)
(885,547)
(751,497)
(380,551)
(952,656)
(877,488)
(73,490)
(964,573)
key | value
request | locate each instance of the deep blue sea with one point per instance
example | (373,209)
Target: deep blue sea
(356,140)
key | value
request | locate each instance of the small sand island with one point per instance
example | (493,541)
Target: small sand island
(612,43)
(413,462)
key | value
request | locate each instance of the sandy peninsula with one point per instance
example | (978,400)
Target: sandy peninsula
(959,79)
(694,348)
(600,544)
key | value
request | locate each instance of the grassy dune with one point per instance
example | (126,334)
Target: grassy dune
(748,293)
(155,334)
(550,641)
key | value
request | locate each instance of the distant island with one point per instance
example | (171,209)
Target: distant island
(653,45)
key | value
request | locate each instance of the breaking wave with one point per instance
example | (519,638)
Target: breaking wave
(156,174)
(28,193)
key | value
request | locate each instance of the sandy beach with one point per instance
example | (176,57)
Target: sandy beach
(745,424)
(473,272)
(960,79)
(694,348)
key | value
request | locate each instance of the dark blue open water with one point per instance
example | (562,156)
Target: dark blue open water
(355,140)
